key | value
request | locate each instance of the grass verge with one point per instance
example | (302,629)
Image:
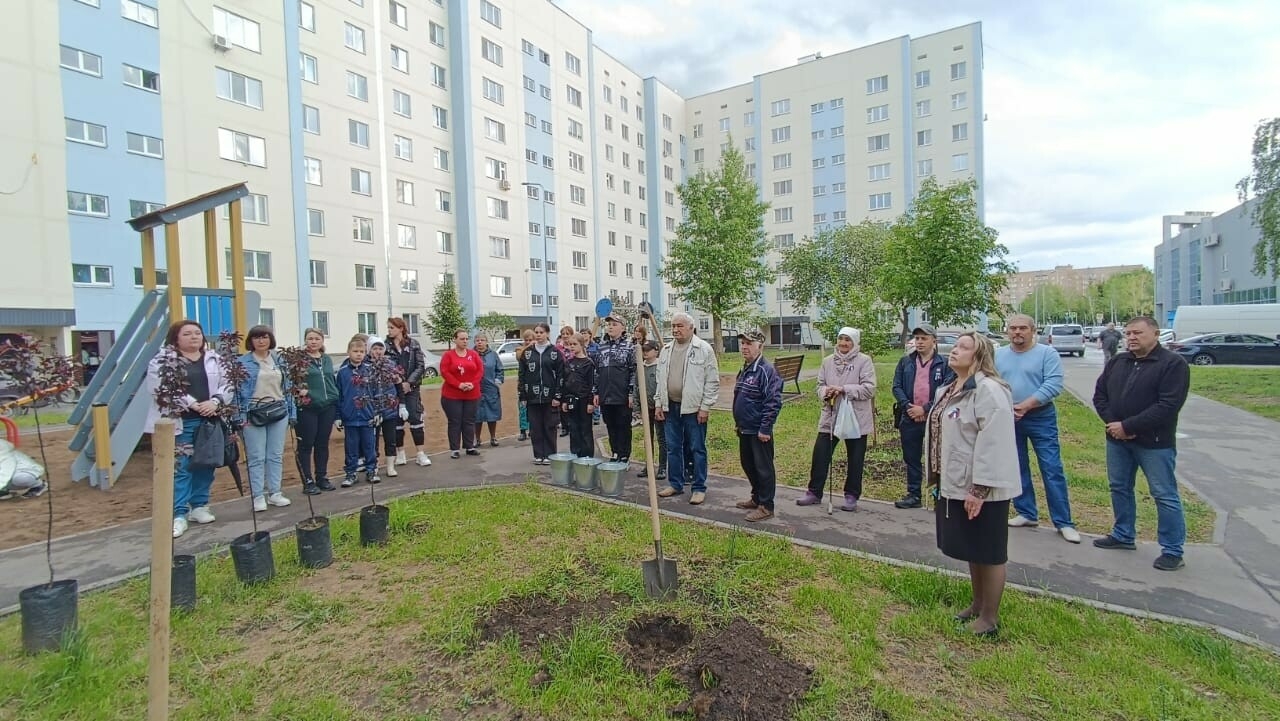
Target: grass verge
(48,417)
(732,362)
(393,633)
(1256,390)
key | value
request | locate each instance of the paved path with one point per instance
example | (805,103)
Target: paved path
(1230,585)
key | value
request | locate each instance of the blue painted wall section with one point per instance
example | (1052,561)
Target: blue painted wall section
(654,180)
(908,173)
(598,242)
(301,241)
(541,142)
(827,176)
(466,244)
(979,121)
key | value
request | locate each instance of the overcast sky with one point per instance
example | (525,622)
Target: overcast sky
(1102,116)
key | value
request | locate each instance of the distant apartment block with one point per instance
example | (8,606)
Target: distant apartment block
(1072,280)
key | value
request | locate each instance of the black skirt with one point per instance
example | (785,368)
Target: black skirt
(983,540)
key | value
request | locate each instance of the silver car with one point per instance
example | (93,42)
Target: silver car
(507,353)
(1066,338)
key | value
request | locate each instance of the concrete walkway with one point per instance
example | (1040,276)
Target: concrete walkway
(1230,585)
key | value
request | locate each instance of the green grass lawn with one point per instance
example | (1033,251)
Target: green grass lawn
(1083,453)
(1256,390)
(395,633)
(732,362)
(48,417)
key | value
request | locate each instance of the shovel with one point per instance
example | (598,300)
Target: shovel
(660,580)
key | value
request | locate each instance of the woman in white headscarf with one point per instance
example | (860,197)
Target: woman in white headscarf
(848,375)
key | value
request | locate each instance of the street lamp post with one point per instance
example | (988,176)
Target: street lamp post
(546,272)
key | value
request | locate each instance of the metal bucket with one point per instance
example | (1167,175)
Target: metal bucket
(561,468)
(584,473)
(611,475)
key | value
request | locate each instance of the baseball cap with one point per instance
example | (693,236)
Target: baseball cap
(754,336)
(613,319)
(925,328)
(650,345)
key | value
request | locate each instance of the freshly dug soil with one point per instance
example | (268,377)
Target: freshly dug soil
(737,676)
(655,642)
(534,619)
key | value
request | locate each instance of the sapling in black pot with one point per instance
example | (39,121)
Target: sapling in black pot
(315,544)
(376,392)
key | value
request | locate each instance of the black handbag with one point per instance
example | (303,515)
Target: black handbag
(264,412)
(209,445)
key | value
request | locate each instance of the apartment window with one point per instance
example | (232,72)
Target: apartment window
(878,172)
(724,125)
(310,68)
(837,159)
(493,91)
(819,163)
(924,167)
(315,222)
(440,117)
(403,148)
(87,204)
(399,15)
(257,264)
(837,103)
(782,187)
(142,207)
(439,76)
(366,277)
(254,209)
(444,201)
(239,88)
(819,218)
(924,108)
(358,133)
(959,71)
(613,267)
(405,192)
(141,79)
(499,247)
(780,107)
(880,201)
(780,135)
(527,47)
(644,275)
(546,126)
(495,130)
(922,78)
(573,95)
(837,131)
(139,13)
(161,277)
(367,323)
(362,229)
(545,92)
(550,231)
(242,147)
(877,85)
(500,286)
(575,129)
(959,101)
(435,33)
(959,131)
(924,137)
(573,64)
(535,229)
(878,114)
(819,190)
(361,182)
(877,143)
(815,135)
(535,299)
(577,195)
(553,301)
(80,61)
(239,31)
(312,171)
(400,59)
(532,157)
(408,281)
(79,131)
(698,155)
(960,162)
(578,227)
(353,37)
(91,275)
(782,215)
(357,86)
(497,208)
(839,216)
(579,260)
(440,159)
(307,16)
(406,236)
(491,14)
(817,108)
(444,241)
(310,119)
(837,188)
(580,291)
(491,51)
(782,161)
(577,162)
(320,321)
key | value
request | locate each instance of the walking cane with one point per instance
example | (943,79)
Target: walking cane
(831,460)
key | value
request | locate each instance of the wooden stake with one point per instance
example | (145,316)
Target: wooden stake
(162,445)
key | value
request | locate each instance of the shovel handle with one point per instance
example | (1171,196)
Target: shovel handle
(648,447)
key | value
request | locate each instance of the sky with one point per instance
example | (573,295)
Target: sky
(1102,116)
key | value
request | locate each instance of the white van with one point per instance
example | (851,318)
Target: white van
(1259,318)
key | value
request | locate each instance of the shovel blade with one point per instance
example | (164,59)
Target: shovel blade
(660,580)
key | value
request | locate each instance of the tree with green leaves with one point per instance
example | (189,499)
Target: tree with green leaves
(941,258)
(447,315)
(1262,185)
(495,325)
(717,260)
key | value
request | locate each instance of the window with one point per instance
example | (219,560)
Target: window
(545,92)
(496,169)
(357,86)
(491,51)
(724,125)
(242,147)
(310,119)
(87,204)
(837,103)
(959,101)
(578,227)
(499,247)
(532,157)
(361,182)
(577,162)
(405,192)
(819,218)
(239,88)
(80,61)
(878,114)
(366,277)
(403,148)
(254,209)
(880,201)
(139,13)
(960,162)
(307,16)
(535,299)
(817,108)
(575,129)
(527,47)
(406,236)
(839,215)
(922,78)
(924,108)
(353,37)
(500,286)
(491,14)
(141,79)
(257,264)
(924,137)
(573,64)
(546,126)
(444,241)
(837,131)
(959,131)
(613,267)
(819,163)
(877,85)
(444,201)
(959,70)
(400,59)
(782,161)
(876,143)
(579,260)
(91,275)
(819,190)
(315,222)
(553,301)
(837,159)
(580,291)
(367,323)
(408,281)
(312,171)
(837,188)
(497,208)
(161,277)
(440,159)
(698,155)
(320,321)
(435,33)
(780,135)
(439,76)
(239,31)
(878,172)
(440,117)
(780,107)
(310,68)
(573,95)
(815,135)
(782,187)
(577,195)
(358,133)
(142,207)
(362,229)
(535,229)
(782,215)
(493,91)
(495,130)
(924,167)
(79,131)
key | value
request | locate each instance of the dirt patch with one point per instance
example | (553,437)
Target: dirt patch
(534,619)
(655,642)
(737,676)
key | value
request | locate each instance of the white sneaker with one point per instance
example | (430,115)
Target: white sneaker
(1069,534)
(1021,521)
(423,459)
(259,504)
(179,526)
(278,499)
(391,468)
(201,514)
(400,459)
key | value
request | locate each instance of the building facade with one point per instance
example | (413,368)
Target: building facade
(1072,280)
(1207,259)
(388,144)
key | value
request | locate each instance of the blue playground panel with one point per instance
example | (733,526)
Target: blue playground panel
(213,312)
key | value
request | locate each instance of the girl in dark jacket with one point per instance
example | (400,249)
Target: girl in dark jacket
(407,354)
(541,370)
(577,389)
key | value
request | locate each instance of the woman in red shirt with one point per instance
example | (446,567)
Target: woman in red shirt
(462,372)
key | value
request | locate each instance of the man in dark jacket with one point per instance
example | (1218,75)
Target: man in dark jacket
(757,398)
(1138,396)
(915,384)
(615,384)
(1109,341)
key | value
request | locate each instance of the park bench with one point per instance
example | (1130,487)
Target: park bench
(788,367)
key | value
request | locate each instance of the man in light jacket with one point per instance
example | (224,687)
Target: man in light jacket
(688,386)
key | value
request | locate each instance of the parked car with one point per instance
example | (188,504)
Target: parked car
(1167,336)
(507,353)
(1241,348)
(946,341)
(1091,333)
(998,338)
(1066,338)
(433,364)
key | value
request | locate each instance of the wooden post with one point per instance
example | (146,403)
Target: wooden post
(162,445)
(173,259)
(240,313)
(211,249)
(148,260)
(102,445)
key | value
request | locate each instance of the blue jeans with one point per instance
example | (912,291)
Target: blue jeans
(685,435)
(264,450)
(190,485)
(360,442)
(1123,461)
(1040,428)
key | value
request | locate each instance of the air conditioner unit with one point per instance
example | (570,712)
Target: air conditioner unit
(220,42)
(1225,284)
(1212,240)
(504,184)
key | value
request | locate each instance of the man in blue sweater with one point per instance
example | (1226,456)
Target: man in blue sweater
(1034,373)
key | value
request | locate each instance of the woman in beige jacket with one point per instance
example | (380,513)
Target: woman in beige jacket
(848,375)
(972,461)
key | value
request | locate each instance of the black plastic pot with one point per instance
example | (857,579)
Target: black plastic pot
(251,555)
(375,524)
(50,614)
(182,584)
(315,545)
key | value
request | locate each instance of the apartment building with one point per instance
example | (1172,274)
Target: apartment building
(1073,280)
